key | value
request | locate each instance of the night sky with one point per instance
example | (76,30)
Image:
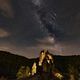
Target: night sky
(29,26)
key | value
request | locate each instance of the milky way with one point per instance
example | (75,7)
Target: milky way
(28,26)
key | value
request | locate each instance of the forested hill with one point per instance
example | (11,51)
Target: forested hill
(10,63)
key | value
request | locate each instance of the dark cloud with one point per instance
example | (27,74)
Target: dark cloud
(34,27)
(25,27)
(6,8)
(4,33)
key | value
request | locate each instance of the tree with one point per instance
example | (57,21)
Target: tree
(23,73)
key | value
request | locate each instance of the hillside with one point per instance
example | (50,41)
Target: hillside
(10,63)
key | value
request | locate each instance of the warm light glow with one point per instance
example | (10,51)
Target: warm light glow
(41,58)
(58,75)
(34,68)
(50,57)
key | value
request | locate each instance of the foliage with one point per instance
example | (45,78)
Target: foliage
(23,72)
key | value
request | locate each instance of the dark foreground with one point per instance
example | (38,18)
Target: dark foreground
(67,66)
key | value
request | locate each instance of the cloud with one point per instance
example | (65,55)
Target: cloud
(29,51)
(36,2)
(4,33)
(49,43)
(71,47)
(6,8)
(46,40)
(54,49)
(58,48)
(30,36)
